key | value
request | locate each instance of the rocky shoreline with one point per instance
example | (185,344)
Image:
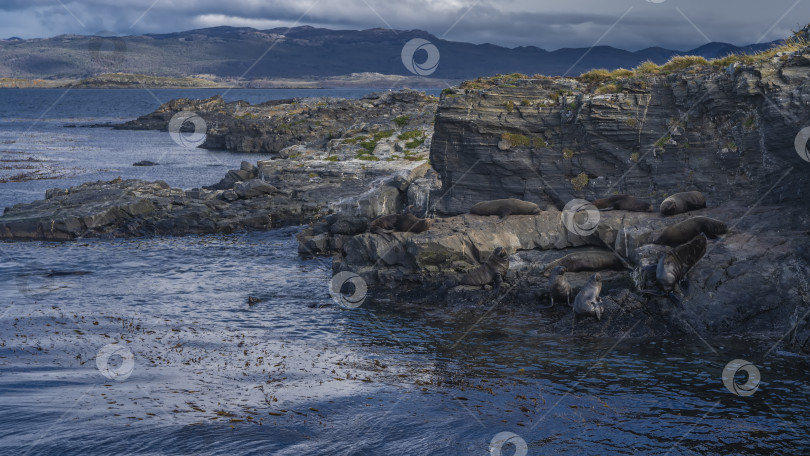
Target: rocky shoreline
(728,132)
(335,165)
(323,162)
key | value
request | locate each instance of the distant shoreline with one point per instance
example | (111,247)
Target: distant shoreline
(137,81)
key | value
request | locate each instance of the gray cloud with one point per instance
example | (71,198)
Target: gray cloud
(677,24)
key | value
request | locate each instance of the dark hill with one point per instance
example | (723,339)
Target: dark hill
(304,52)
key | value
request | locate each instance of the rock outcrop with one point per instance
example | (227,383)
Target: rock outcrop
(727,131)
(297,127)
(353,157)
(755,279)
(288,193)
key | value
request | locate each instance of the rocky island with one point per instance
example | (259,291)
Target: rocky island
(726,128)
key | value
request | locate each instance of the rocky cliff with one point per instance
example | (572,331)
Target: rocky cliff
(726,128)
(726,131)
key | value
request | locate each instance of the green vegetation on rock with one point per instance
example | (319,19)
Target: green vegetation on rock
(516,139)
(368,146)
(415,143)
(580,181)
(401,121)
(682,62)
(568,154)
(519,140)
(413,134)
(662,141)
(383,134)
(609,88)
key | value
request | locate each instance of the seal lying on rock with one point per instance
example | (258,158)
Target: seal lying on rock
(493,271)
(559,287)
(684,231)
(406,223)
(505,207)
(673,266)
(588,302)
(589,261)
(683,202)
(623,203)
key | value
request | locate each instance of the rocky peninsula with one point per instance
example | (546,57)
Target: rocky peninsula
(328,155)
(726,128)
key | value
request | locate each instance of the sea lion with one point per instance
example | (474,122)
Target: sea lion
(683,202)
(505,207)
(558,285)
(593,260)
(673,266)
(684,231)
(406,223)
(492,271)
(54,273)
(622,203)
(588,302)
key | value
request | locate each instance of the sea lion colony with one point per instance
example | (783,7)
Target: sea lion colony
(688,240)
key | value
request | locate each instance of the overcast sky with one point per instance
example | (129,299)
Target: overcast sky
(629,24)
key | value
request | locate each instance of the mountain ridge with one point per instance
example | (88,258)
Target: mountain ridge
(307,52)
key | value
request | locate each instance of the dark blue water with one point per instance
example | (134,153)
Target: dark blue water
(191,368)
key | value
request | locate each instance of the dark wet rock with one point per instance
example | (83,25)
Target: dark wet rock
(246,171)
(253,188)
(229,196)
(340,224)
(145,163)
(136,208)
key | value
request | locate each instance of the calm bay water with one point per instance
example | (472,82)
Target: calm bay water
(193,369)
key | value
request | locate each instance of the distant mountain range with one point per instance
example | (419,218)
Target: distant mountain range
(307,52)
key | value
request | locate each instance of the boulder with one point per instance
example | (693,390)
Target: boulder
(254,188)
